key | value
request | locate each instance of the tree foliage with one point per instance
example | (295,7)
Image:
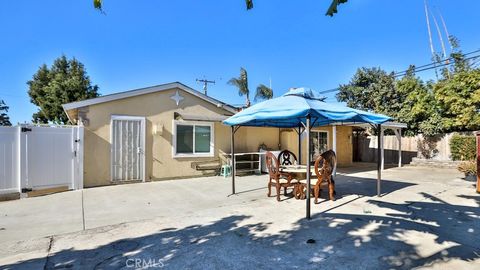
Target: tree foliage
(450,104)
(4,118)
(458,93)
(459,100)
(419,109)
(65,81)
(371,89)
(263,92)
(332,9)
(463,147)
(242,85)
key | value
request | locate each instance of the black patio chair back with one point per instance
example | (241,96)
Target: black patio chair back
(286,157)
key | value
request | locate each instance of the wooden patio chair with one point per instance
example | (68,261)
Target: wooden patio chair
(324,166)
(277,178)
(286,157)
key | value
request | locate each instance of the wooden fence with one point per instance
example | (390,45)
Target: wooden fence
(433,147)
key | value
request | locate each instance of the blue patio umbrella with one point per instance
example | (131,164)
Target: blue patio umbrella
(301,107)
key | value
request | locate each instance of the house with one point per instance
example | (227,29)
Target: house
(156,133)
(168,131)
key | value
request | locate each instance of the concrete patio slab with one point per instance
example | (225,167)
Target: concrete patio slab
(41,216)
(428,218)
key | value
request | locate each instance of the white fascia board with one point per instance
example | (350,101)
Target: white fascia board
(147,90)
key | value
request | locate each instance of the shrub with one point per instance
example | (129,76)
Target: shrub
(463,147)
(468,167)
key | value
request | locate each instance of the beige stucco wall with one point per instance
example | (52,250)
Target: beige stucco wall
(289,140)
(158,109)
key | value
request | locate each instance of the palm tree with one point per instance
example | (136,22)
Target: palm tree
(242,84)
(263,92)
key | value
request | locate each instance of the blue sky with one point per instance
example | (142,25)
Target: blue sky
(159,41)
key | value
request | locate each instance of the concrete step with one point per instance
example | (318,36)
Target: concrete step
(207,165)
(435,163)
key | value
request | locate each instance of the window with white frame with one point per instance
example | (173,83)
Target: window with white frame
(318,143)
(192,139)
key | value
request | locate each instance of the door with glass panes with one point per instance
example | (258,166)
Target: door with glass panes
(318,143)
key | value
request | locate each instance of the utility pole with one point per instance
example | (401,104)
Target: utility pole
(205,84)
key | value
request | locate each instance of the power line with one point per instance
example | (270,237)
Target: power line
(421,68)
(436,62)
(399,74)
(329,90)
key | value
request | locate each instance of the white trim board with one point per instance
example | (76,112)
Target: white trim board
(192,123)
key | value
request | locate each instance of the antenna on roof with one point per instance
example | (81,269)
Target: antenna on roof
(205,84)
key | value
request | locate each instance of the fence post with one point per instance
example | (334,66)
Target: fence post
(478,161)
(79,162)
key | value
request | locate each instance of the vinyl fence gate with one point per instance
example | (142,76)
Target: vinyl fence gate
(39,157)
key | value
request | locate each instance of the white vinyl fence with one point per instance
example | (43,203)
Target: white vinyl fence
(39,157)
(9,160)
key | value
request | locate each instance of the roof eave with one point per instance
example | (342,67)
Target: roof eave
(147,90)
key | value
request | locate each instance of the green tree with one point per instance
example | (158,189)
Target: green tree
(65,81)
(450,104)
(458,93)
(242,85)
(407,100)
(332,9)
(4,118)
(459,100)
(372,89)
(419,109)
(263,92)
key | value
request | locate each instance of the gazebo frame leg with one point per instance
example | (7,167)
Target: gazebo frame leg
(308,167)
(232,145)
(379,159)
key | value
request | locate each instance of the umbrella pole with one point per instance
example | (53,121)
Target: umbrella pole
(308,167)
(233,159)
(379,157)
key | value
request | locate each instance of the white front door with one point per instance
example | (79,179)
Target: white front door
(127,148)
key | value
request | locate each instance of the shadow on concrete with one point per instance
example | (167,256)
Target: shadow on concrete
(349,185)
(416,233)
(344,185)
(475,198)
(357,167)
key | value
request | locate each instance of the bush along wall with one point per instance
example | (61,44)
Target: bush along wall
(463,147)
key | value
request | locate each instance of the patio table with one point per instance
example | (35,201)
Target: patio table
(296,169)
(300,172)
